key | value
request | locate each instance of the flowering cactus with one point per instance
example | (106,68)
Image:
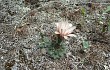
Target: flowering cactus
(64,29)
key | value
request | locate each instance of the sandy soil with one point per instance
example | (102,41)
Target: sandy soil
(22,21)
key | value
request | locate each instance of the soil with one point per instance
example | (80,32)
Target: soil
(22,21)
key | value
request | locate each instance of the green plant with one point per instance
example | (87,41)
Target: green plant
(55,43)
(107,10)
(85,44)
(55,46)
(109,26)
(83,11)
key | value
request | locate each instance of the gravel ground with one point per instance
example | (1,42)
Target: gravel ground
(22,21)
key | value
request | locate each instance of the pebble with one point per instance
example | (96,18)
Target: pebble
(2,57)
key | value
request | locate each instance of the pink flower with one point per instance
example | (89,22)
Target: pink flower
(65,29)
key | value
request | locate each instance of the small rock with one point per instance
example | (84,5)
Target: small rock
(43,51)
(2,57)
(68,54)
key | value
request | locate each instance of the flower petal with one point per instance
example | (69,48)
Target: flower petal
(70,25)
(65,25)
(64,29)
(56,32)
(68,31)
(56,24)
(72,35)
(65,37)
